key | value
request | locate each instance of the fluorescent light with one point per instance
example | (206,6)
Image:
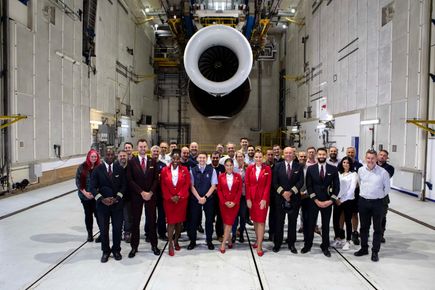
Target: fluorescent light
(370,122)
(125,126)
(295,129)
(68,58)
(96,122)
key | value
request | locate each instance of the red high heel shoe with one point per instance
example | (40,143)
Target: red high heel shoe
(177,247)
(260,253)
(230,246)
(171,252)
(222,250)
(255,245)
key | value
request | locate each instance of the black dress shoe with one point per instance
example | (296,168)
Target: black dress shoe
(105,257)
(355,238)
(375,257)
(147,239)
(249,222)
(275,249)
(132,253)
(191,246)
(210,245)
(327,253)
(241,239)
(156,251)
(90,238)
(292,249)
(361,252)
(383,240)
(233,239)
(305,250)
(98,240)
(117,256)
(200,229)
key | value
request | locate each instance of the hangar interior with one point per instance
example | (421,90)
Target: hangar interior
(82,74)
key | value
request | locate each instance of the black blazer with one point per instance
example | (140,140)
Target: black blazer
(281,183)
(103,185)
(139,181)
(325,189)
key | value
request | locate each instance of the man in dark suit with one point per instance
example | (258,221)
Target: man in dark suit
(382,162)
(288,178)
(323,186)
(108,186)
(142,179)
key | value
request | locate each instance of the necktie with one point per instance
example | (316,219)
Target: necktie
(142,164)
(322,173)
(289,171)
(110,170)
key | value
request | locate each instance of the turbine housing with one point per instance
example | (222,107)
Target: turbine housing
(218,60)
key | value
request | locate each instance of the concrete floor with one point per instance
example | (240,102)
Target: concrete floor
(51,238)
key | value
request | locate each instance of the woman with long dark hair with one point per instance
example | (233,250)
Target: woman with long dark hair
(83,183)
(344,204)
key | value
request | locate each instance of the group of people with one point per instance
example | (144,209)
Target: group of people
(175,186)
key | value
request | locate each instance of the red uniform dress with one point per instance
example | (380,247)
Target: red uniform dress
(233,195)
(257,190)
(175,212)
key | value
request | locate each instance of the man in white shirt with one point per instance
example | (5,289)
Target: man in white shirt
(165,158)
(249,158)
(374,186)
(231,154)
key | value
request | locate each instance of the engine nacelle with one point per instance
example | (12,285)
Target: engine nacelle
(218,59)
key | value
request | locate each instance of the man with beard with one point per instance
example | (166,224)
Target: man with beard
(231,151)
(382,162)
(323,186)
(277,153)
(333,153)
(219,168)
(250,157)
(163,157)
(193,148)
(161,219)
(185,160)
(220,150)
(123,161)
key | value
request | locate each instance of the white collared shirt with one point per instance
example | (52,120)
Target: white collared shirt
(375,183)
(348,184)
(320,168)
(107,166)
(257,171)
(230,179)
(165,158)
(140,159)
(174,173)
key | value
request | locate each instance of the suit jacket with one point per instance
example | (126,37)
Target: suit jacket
(282,183)
(139,181)
(183,183)
(325,189)
(225,194)
(257,190)
(103,185)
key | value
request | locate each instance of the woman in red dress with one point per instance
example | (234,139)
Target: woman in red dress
(175,183)
(257,180)
(229,190)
